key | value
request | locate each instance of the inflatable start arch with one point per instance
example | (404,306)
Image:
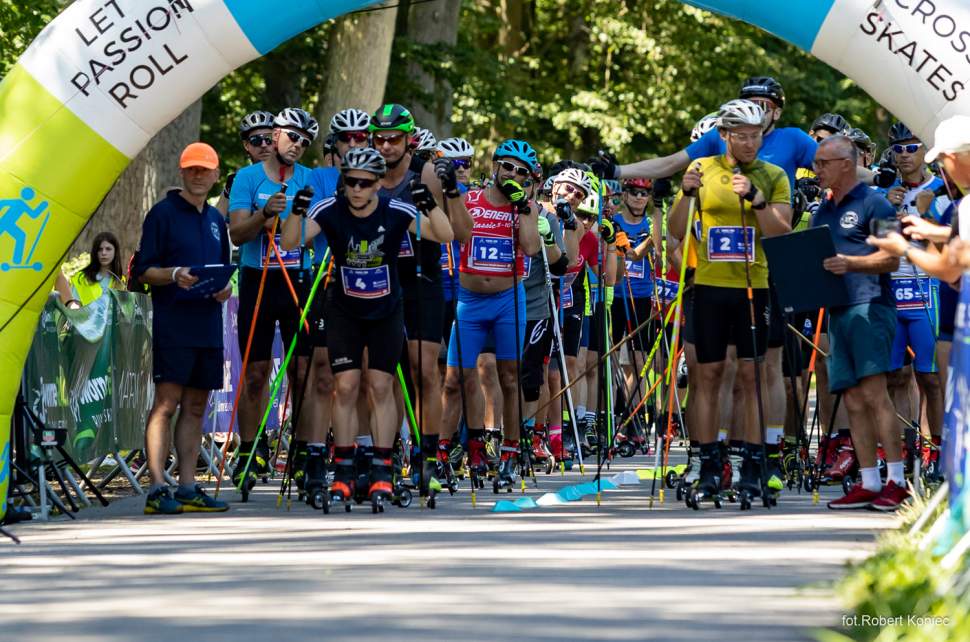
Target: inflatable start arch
(106,75)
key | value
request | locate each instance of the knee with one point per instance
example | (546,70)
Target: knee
(898,378)
(854,399)
(452,386)
(378,386)
(256,375)
(744,379)
(324,380)
(507,377)
(194,407)
(929,383)
(346,389)
(709,376)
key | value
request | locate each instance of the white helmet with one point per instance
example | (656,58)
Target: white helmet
(704,125)
(365,159)
(349,120)
(590,205)
(256,120)
(455,148)
(577,177)
(296,117)
(424,140)
(740,113)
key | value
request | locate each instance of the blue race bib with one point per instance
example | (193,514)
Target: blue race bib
(667,290)
(290,258)
(726,244)
(366,283)
(911,293)
(636,269)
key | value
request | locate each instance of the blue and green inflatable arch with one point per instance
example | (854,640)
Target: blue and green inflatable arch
(106,75)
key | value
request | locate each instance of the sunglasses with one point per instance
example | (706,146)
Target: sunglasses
(461,163)
(572,189)
(512,167)
(297,137)
(362,183)
(638,193)
(260,140)
(909,149)
(391,139)
(357,137)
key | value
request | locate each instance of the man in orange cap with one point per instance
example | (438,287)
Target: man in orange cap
(180,231)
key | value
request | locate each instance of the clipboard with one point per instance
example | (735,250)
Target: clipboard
(795,266)
(212,279)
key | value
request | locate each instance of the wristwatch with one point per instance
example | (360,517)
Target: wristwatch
(763,205)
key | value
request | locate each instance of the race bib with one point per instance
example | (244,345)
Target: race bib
(636,269)
(566,290)
(290,258)
(491,254)
(911,293)
(726,244)
(407,250)
(366,283)
(667,290)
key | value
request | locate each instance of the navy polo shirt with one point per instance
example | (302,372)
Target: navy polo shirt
(176,234)
(850,222)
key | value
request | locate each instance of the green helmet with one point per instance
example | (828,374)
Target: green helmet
(392,117)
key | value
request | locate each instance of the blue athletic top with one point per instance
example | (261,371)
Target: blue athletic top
(638,272)
(788,147)
(324,181)
(250,191)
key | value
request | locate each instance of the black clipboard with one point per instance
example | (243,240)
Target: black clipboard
(212,279)
(795,265)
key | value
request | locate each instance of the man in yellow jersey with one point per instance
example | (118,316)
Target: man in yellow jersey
(731,267)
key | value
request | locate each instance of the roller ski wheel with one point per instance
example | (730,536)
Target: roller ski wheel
(245,486)
(403,498)
(671,480)
(319,499)
(847,483)
(747,493)
(745,498)
(626,450)
(808,483)
(697,495)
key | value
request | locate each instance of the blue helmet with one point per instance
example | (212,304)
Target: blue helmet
(519,150)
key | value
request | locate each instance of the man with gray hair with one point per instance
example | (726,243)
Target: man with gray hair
(861,333)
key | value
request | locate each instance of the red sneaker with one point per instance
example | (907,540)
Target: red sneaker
(891,497)
(857,497)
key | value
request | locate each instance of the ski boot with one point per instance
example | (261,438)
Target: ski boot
(775,479)
(344,483)
(363,456)
(315,480)
(493,454)
(567,446)
(403,487)
(456,458)
(751,485)
(381,487)
(625,447)
(931,461)
(686,481)
(708,484)
(477,459)
(252,463)
(508,471)
(541,453)
(445,471)
(429,484)
(844,466)
(298,467)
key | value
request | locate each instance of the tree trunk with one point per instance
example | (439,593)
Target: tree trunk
(358,60)
(141,185)
(431,23)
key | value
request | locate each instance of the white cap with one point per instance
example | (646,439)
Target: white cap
(952,136)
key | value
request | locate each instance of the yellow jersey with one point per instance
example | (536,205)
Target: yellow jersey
(723,245)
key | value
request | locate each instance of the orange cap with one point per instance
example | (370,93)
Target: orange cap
(199,155)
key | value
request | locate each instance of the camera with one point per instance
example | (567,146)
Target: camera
(881,227)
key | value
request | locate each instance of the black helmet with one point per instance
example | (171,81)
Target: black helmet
(835,123)
(900,132)
(763,87)
(392,117)
(860,138)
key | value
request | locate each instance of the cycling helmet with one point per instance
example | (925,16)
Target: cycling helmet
(256,120)
(547,186)
(392,117)
(704,125)
(298,119)
(365,159)
(349,120)
(455,148)
(611,186)
(590,205)
(560,165)
(424,140)
(900,132)
(860,138)
(832,122)
(740,113)
(638,183)
(763,87)
(576,177)
(519,150)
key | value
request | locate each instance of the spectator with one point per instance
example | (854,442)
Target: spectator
(102,272)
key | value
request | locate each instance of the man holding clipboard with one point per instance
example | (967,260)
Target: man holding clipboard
(180,231)
(861,333)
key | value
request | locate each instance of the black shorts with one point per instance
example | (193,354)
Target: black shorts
(277,306)
(535,356)
(348,336)
(572,330)
(596,338)
(318,320)
(687,300)
(795,353)
(640,310)
(200,368)
(776,326)
(424,320)
(722,317)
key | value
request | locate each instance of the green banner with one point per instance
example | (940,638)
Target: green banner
(89,371)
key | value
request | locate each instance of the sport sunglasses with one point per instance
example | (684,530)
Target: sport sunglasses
(461,163)
(357,137)
(638,193)
(909,149)
(297,137)
(512,167)
(363,183)
(260,140)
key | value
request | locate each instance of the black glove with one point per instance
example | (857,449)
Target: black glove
(301,201)
(565,213)
(607,231)
(662,188)
(229,181)
(604,165)
(422,197)
(444,169)
(885,175)
(809,188)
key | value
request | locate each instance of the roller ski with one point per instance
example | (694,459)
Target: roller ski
(754,483)
(563,446)
(708,485)
(429,484)
(299,468)
(445,470)
(493,447)
(380,491)
(403,488)
(541,454)
(252,464)
(344,485)
(315,487)
(508,471)
(477,462)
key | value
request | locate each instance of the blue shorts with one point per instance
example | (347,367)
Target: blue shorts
(482,314)
(916,329)
(860,343)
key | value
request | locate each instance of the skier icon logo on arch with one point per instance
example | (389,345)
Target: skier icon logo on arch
(16,231)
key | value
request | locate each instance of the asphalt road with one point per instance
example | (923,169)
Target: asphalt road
(578,571)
